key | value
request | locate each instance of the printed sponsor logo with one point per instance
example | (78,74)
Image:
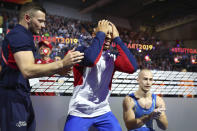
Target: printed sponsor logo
(21,123)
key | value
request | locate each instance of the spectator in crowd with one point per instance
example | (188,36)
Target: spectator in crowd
(59,26)
(45,49)
(57,58)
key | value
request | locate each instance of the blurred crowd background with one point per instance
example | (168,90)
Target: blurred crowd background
(151,52)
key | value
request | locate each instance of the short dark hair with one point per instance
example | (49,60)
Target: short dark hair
(30,7)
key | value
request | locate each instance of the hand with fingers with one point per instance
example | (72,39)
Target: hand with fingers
(72,58)
(157,113)
(115,32)
(103,25)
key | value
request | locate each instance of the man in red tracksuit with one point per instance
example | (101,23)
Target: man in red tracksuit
(45,49)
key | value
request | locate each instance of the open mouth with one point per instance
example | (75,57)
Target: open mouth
(107,44)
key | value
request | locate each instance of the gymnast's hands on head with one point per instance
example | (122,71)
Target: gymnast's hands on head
(115,32)
(103,25)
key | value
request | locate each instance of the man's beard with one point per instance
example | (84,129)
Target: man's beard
(32,29)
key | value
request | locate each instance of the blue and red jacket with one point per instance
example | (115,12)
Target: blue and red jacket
(93,76)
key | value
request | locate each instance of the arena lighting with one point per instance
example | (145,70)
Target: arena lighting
(193,61)
(8,30)
(1,30)
(147,58)
(176,60)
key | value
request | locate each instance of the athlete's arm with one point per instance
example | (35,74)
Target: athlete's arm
(125,61)
(129,116)
(26,63)
(162,121)
(93,53)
